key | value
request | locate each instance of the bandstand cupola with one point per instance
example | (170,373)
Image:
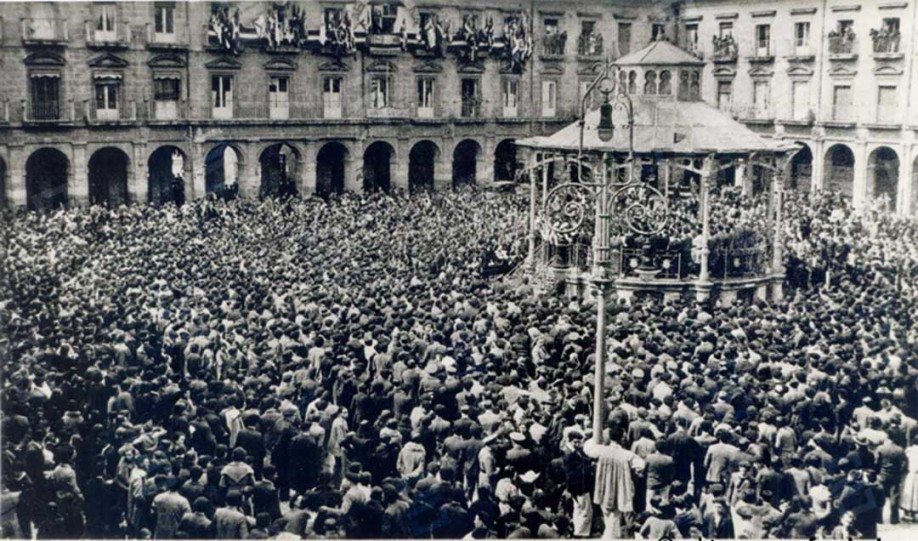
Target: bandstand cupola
(661,69)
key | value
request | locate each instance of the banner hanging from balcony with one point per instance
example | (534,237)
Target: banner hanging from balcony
(474,40)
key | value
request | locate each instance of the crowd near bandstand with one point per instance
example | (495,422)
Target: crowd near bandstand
(302,368)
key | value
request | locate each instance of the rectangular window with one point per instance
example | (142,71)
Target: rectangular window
(802,37)
(279,98)
(725,29)
(801,97)
(380,88)
(763,40)
(166,91)
(425,98)
(724,95)
(331,97)
(45,98)
(761,91)
(471,98)
(592,100)
(105,22)
(887,105)
(886,40)
(658,32)
(549,98)
(624,38)
(841,103)
(164,21)
(222,94)
(511,94)
(691,37)
(107,100)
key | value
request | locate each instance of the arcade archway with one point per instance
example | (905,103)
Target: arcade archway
(377,167)
(47,170)
(801,173)
(505,162)
(222,166)
(883,177)
(108,177)
(4,201)
(422,166)
(331,164)
(839,170)
(279,171)
(465,163)
(168,168)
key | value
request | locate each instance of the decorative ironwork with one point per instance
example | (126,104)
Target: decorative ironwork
(725,48)
(841,41)
(642,208)
(885,40)
(590,44)
(567,208)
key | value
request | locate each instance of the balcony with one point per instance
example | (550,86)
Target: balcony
(48,112)
(886,43)
(117,38)
(590,45)
(5,112)
(166,40)
(725,50)
(44,32)
(123,114)
(553,44)
(762,55)
(842,46)
(166,110)
(471,108)
(693,48)
(388,112)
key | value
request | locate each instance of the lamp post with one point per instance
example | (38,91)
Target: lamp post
(633,204)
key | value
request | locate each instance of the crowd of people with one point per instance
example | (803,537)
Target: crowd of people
(303,368)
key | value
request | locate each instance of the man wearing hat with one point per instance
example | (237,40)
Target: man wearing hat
(581,479)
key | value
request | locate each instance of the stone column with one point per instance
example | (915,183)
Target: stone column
(399,165)
(307,169)
(817,181)
(703,286)
(17,192)
(78,178)
(860,176)
(903,191)
(484,164)
(249,171)
(137,187)
(197,187)
(353,169)
(443,169)
(739,179)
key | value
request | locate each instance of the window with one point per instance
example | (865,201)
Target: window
(691,37)
(658,32)
(624,38)
(761,91)
(380,88)
(511,97)
(845,26)
(801,97)
(166,91)
(331,97)
(841,103)
(887,105)
(725,29)
(650,82)
(425,98)
(632,82)
(471,100)
(279,98)
(695,89)
(332,18)
(549,98)
(590,39)
(802,37)
(45,97)
(553,39)
(666,83)
(222,93)
(592,101)
(684,85)
(724,95)
(105,22)
(886,40)
(763,40)
(107,100)
(383,18)
(164,21)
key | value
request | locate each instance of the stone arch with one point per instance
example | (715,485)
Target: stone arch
(109,169)
(279,170)
(801,170)
(47,175)
(422,166)
(839,170)
(913,208)
(465,162)
(505,160)
(332,162)
(377,167)
(222,167)
(168,170)
(883,176)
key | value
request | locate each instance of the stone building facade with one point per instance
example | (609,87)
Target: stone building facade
(105,102)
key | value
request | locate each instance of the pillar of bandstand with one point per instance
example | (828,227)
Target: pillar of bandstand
(703,285)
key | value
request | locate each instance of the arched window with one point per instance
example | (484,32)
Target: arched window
(623,82)
(650,83)
(695,88)
(666,83)
(632,82)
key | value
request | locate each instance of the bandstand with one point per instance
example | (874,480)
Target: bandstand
(654,192)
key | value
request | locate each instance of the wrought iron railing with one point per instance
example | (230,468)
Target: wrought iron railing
(667,263)
(590,44)
(842,44)
(729,262)
(885,42)
(553,44)
(44,111)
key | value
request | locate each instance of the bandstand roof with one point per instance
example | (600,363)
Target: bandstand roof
(659,53)
(662,126)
